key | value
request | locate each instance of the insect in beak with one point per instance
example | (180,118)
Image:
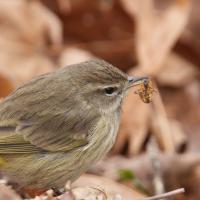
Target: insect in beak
(146,89)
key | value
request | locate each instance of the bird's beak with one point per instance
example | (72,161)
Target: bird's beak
(133,81)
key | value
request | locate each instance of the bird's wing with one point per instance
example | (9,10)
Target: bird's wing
(15,143)
(44,130)
(42,116)
(32,138)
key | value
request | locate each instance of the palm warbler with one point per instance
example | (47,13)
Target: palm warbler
(54,127)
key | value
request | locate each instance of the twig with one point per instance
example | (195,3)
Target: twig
(165,195)
(160,124)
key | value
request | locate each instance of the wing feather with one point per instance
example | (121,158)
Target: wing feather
(40,118)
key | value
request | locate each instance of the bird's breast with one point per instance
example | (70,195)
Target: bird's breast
(102,138)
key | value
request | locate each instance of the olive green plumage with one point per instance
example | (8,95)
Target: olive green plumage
(56,125)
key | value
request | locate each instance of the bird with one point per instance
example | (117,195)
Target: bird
(55,126)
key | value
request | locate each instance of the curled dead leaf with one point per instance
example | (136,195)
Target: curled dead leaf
(103,186)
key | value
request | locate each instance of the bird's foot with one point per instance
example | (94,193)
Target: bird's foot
(58,192)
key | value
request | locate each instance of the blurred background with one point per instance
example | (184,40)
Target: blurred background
(158,144)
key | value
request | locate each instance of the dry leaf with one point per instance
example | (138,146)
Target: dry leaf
(20,15)
(100,27)
(110,187)
(74,55)
(155,37)
(176,168)
(189,42)
(23,50)
(161,126)
(91,187)
(176,71)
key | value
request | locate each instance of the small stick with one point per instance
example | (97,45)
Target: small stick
(165,195)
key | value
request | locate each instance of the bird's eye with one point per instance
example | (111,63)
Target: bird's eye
(110,91)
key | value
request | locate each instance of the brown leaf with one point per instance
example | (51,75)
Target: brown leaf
(176,71)
(21,15)
(161,126)
(72,55)
(100,27)
(21,69)
(23,50)
(100,185)
(175,168)
(154,35)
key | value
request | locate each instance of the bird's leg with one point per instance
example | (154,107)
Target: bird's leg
(60,191)
(57,192)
